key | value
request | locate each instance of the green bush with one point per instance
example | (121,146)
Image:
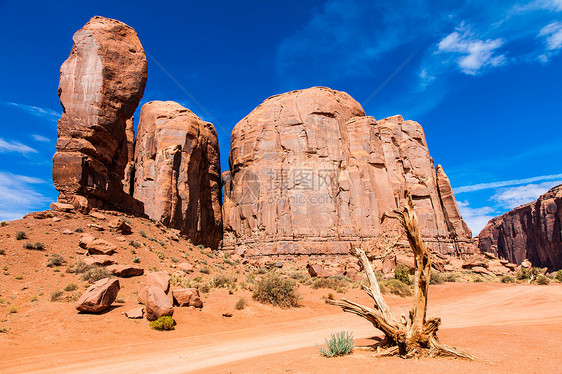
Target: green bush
(559,275)
(71,287)
(508,279)
(396,287)
(542,280)
(55,260)
(20,235)
(402,273)
(276,290)
(165,323)
(436,278)
(241,304)
(339,344)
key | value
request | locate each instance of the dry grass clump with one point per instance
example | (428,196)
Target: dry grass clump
(55,260)
(20,235)
(36,246)
(396,287)
(337,283)
(542,280)
(276,290)
(241,303)
(90,273)
(165,323)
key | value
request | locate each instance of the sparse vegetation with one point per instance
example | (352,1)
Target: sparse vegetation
(402,273)
(2,251)
(134,244)
(78,230)
(13,309)
(56,295)
(36,246)
(223,281)
(339,284)
(95,273)
(241,303)
(18,277)
(163,324)
(3,224)
(559,275)
(396,287)
(205,270)
(276,290)
(71,287)
(136,260)
(20,235)
(508,279)
(542,280)
(143,234)
(436,278)
(339,344)
(55,260)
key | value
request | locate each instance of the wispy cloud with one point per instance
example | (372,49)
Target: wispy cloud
(18,196)
(513,197)
(513,182)
(46,113)
(552,34)
(41,138)
(475,53)
(11,146)
(475,218)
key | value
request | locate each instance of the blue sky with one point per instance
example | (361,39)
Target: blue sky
(482,77)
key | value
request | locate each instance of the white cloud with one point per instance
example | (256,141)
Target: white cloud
(41,138)
(49,114)
(513,197)
(476,54)
(513,182)
(553,36)
(11,146)
(475,218)
(17,196)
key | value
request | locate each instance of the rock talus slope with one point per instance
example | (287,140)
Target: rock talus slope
(310,173)
(532,231)
(101,84)
(177,171)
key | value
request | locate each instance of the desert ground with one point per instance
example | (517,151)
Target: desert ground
(509,327)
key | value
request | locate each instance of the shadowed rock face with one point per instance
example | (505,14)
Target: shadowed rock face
(177,171)
(310,173)
(101,84)
(532,231)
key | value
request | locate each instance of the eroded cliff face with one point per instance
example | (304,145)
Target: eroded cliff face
(177,171)
(310,173)
(532,231)
(101,84)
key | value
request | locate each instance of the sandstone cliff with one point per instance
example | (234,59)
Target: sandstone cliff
(177,171)
(101,84)
(310,173)
(532,231)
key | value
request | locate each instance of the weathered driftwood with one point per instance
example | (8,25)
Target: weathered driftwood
(413,335)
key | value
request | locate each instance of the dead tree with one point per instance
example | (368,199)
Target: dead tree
(412,335)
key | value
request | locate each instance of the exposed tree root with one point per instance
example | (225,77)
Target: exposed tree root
(412,336)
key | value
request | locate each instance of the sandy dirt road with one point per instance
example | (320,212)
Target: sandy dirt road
(462,309)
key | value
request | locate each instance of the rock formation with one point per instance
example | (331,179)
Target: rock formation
(532,231)
(101,84)
(310,173)
(177,171)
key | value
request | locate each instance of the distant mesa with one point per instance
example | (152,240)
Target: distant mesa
(532,231)
(311,173)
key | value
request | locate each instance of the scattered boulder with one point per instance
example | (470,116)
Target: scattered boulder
(177,171)
(156,302)
(158,278)
(481,270)
(187,297)
(56,219)
(472,263)
(98,260)
(62,207)
(126,271)
(67,232)
(99,296)
(135,313)
(317,271)
(101,84)
(456,263)
(97,246)
(96,227)
(119,225)
(97,215)
(186,267)
(526,264)
(490,255)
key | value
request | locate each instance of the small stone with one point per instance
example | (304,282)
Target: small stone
(97,215)
(126,271)
(135,313)
(62,207)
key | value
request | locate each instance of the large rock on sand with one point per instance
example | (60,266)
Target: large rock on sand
(532,231)
(99,296)
(177,171)
(311,173)
(101,84)
(156,302)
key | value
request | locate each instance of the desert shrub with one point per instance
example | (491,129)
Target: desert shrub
(436,278)
(450,277)
(201,246)
(3,224)
(37,246)
(333,283)
(339,344)
(13,309)
(56,295)
(542,280)
(143,234)
(71,287)
(161,256)
(163,324)
(134,244)
(299,276)
(276,290)
(18,277)
(136,260)
(396,287)
(2,251)
(78,230)
(508,279)
(55,260)
(204,287)
(205,270)
(78,267)
(20,235)
(34,298)
(559,275)
(402,273)
(241,303)
(223,281)
(95,273)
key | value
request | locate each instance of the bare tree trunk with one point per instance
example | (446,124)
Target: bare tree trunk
(413,335)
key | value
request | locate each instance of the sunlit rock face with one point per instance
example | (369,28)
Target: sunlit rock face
(310,173)
(101,84)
